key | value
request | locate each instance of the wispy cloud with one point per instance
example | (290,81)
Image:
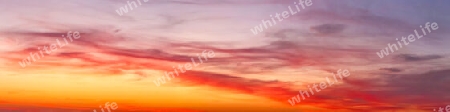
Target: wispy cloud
(119,56)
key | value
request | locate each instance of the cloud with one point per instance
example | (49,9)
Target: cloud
(392,69)
(114,51)
(403,89)
(271,89)
(413,58)
(328,28)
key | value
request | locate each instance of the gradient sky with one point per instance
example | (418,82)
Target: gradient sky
(118,57)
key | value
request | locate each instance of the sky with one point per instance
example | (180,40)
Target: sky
(118,58)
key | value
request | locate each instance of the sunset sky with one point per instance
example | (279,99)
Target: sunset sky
(117,58)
